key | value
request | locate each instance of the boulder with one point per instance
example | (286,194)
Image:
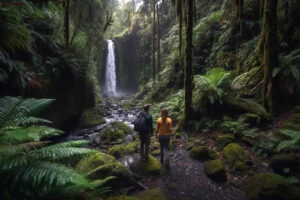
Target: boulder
(270,186)
(215,170)
(233,153)
(202,153)
(90,118)
(147,167)
(283,161)
(122,126)
(117,151)
(132,147)
(112,134)
(153,194)
(223,140)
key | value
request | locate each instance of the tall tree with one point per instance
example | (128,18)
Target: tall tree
(158,41)
(179,10)
(188,63)
(153,41)
(270,58)
(66,5)
(239,4)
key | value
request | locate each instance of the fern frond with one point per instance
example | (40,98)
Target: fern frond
(77,143)
(42,176)
(29,134)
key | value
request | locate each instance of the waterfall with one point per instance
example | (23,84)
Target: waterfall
(110,72)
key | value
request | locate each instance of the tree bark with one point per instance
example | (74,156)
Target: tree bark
(188,64)
(158,43)
(180,13)
(67,28)
(153,43)
(270,53)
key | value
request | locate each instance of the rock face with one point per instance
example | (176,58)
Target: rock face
(215,170)
(233,153)
(223,140)
(147,167)
(90,118)
(269,186)
(282,161)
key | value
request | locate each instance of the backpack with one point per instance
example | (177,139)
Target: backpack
(140,124)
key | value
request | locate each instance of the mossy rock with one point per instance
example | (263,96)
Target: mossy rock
(215,170)
(177,135)
(117,151)
(87,164)
(132,147)
(171,186)
(151,166)
(239,166)
(90,118)
(202,153)
(122,126)
(153,194)
(281,161)
(223,140)
(154,145)
(194,142)
(123,198)
(156,152)
(270,186)
(112,134)
(233,153)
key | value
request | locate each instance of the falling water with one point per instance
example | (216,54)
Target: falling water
(110,74)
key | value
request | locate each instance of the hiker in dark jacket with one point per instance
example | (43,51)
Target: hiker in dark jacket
(145,135)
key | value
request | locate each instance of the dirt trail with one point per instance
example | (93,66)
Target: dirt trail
(186,180)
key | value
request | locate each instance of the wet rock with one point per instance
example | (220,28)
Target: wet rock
(283,161)
(233,153)
(215,170)
(223,140)
(270,186)
(150,166)
(153,194)
(202,153)
(117,151)
(90,118)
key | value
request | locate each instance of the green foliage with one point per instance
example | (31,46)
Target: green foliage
(209,88)
(293,143)
(29,168)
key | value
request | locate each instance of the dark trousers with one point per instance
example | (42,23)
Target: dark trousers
(144,144)
(164,141)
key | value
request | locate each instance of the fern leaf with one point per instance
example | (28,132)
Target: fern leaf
(77,143)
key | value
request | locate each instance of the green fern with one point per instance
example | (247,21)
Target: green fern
(15,111)
(293,143)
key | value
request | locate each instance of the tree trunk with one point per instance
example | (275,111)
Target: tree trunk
(188,64)
(67,28)
(180,10)
(158,43)
(153,43)
(270,53)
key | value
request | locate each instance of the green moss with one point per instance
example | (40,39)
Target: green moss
(215,170)
(202,153)
(233,153)
(239,166)
(89,163)
(112,134)
(155,152)
(171,186)
(132,147)
(117,150)
(122,126)
(90,118)
(147,167)
(123,198)
(270,186)
(223,140)
(153,194)
(154,145)
(111,169)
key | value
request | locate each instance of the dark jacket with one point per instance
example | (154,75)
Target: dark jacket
(149,121)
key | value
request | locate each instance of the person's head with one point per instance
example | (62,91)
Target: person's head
(146,107)
(164,113)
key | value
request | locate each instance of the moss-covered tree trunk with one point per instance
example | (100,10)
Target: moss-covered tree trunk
(153,43)
(158,42)
(270,53)
(188,64)
(66,5)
